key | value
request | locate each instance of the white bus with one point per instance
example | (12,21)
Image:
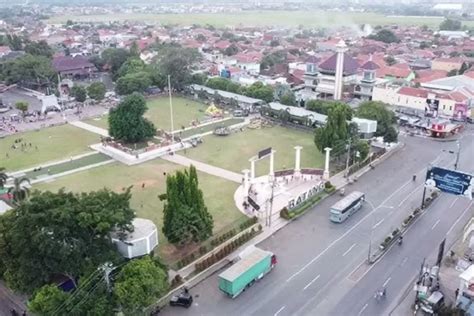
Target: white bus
(346,207)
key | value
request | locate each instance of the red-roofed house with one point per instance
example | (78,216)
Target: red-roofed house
(249,61)
(447,64)
(397,71)
(78,66)
(221,45)
(428,75)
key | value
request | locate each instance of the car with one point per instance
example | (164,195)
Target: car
(184,299)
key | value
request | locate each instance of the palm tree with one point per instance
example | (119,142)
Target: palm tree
(3,177)
(19,191)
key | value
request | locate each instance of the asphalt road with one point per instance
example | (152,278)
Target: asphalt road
(321,269)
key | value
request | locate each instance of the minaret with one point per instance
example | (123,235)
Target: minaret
(341,48)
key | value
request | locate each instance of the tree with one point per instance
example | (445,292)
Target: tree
(47,300)
(96,91)
(63,233)
(176,62)
(40,48)
(15,42)
(22,106)
(140,283)
(334,133)
(324,106)
(218,83)
(363,148)
(201,38)
(450,25)
(126,122)
(231,50)
(385,36)
(199,78)
(134,82)
(114,58)
(260,91)
(28,70)
(130,66)
(185,216)
(390,60)
(391,135)
(3,177)
(288,99)
(134,50)
(19,190)
(79,93)
(279,57)
(274,43)
(379,112)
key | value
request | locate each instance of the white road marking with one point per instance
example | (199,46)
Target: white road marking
(347,251)
(380,222)
(452,204)
(312,281)
(433,227)
(409,195)
(459,218)
(346,233)
(386,206)
(363,309)
(386,282)
(404,261)
(282,308)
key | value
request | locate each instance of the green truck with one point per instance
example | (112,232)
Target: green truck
(252,265)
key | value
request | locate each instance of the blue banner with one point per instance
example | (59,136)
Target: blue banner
(450,181)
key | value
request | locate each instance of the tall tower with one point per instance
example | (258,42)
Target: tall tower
(341,48)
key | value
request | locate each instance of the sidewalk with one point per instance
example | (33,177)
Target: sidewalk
(212,170)
(90,128)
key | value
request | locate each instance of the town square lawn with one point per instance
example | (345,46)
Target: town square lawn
(218,193)
(184,112)
(52,143)
(234,151)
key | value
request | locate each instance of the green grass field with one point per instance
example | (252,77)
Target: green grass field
(184,111)
(234,151)
(218,193)
(54,143)
(264,18)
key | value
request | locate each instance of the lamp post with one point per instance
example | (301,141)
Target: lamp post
(456,164)
(348,147)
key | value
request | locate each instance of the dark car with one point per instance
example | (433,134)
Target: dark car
(184,299)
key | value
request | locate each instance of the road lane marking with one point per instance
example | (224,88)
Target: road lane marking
(282,308)
(386,206)
(312,281)
(459,218)
(404,261)
(433,227)
(409,195)
(386,282)
(363,309)
(347,251)
(347,232)
(452,204)
(380,222)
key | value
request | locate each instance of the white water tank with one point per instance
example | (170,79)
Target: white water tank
(140,242)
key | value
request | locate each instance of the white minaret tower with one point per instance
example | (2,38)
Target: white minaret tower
(341,48)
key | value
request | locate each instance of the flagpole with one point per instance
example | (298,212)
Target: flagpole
(171,109)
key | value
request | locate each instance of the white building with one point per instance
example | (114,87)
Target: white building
(140,242)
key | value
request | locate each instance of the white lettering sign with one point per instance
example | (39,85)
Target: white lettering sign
(305,195)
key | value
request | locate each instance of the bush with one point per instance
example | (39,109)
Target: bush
(177,280)
(330,189)
(202,250)
(260,227)
(328,185)
(284,213)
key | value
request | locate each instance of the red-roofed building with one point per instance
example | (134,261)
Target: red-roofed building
(397,71)
(249,61)
(428,75)
(4,50)
(221,45)
(447,64)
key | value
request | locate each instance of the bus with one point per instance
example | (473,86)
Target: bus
(346,207)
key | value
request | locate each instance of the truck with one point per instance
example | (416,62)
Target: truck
(252,265)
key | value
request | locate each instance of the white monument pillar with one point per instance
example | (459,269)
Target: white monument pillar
(298,160)
(272,164)
(326,164)
(341,48)
(246,184)
(252,168)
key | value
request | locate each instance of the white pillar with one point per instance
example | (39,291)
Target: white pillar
(272,162)
(298,159)
(326,164)
(252,169)
(341,48)
(246,184)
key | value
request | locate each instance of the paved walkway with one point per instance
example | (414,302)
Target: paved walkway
(212,170)
(90,128)
(203,124)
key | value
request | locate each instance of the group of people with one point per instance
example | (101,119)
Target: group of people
(22,145)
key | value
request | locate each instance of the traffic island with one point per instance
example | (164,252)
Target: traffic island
(389,240)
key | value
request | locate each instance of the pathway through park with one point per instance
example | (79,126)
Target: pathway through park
(90,128)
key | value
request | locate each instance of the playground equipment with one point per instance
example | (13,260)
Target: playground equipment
(213,111)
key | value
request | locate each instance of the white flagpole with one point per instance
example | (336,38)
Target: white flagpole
(171,109)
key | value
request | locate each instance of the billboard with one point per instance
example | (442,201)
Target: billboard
(431,107)
(460,112)
(264,152)
(450,181)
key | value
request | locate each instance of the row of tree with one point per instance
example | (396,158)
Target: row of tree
(257,90)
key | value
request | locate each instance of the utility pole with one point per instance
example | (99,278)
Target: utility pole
(456,164)
(348,157)
(107,268)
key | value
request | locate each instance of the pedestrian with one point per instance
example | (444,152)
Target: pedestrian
(456,293)
(143,185)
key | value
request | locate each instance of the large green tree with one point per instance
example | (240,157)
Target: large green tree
(186,218)
(335,133)
(96,91)
(139,284)
(30,71)
(79,93)
(323,107)
(60,234)
(20,189)
(40,48)
(450,25)
(386,36)
(47,300)
(126,122)
(133,82)
(260,91)
(114,58)
(288,98)
(177,63)
(22,106)
(3,177)
(132,65)
(377,111)
(391,135)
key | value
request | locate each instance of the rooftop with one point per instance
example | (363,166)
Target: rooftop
(350,65)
